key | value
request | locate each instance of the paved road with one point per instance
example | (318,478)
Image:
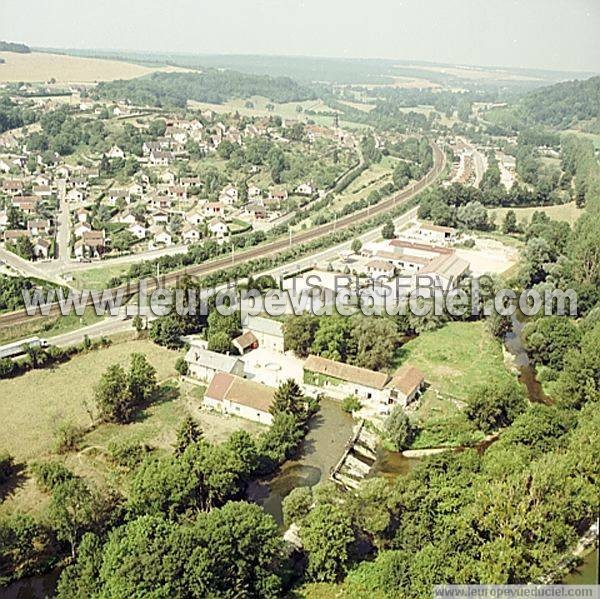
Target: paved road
(64,225)
(116,324)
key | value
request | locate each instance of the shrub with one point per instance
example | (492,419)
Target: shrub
(351,404)
(67,437)
(7,465)
(50,474)
(181,366)
(128,454)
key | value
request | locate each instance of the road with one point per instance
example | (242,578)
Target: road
(278,245)
(116,324)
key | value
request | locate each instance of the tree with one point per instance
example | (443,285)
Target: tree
(327,536)
(142,379)
(388,231)
(356,245)
(71,511)
(189,432)
(167,331)
(138,324)
(474,216)
(219,342)
(399,429)
(181,366)
(113,396)
(495,405)
(297,505)
(548,339)
(299,333)
(510,224)
(288,399)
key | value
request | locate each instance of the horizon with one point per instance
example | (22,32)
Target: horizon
(499,36)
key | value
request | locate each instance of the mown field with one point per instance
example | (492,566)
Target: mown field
(565,212)
(40,67)
(456,358)
(33,405)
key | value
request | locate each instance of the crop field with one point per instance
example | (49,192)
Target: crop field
(40,67)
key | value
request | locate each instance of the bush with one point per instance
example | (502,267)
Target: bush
(399,429)
(50,474)
(351,404)
(67,437)
(7,465)
(128,454)
(181,366)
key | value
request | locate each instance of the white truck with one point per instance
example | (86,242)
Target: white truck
(12,350)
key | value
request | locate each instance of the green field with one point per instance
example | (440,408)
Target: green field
(48,327)
(456,358)
(565,212)
(97,277)
(34,404)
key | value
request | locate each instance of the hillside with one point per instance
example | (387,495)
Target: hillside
(14,47)
(563,105)
(175,89)
(41,66)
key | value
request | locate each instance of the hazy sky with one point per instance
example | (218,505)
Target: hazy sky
(555,34)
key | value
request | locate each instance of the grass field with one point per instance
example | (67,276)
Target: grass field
(97,277)
(34,404)
(40,67)
(565,212)
(49,327)
(456,358)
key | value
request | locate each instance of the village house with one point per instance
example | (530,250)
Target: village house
(75,195)
(81,228)
(254,191)
(159,217)
(306,189)
(12,187)
(79,183)
(230,394)
(406,385)
(11,235)
(115,195)
(92,244)
(41,248)
(379,269)
(213,209)
(341,380)
(437,234)
(38,226)
(376,388)
(137,230)
(218,228)
(190,234)
(151,146)
(115,152)
(28,204)
(194,217)
(231,192)
(160,158)
(268,332)
(81,215)
(245,342)
(203,364)
(160,236)
(278,195)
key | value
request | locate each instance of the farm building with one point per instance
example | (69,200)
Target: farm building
(233,395)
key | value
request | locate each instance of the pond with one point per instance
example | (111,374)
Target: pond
(321,449)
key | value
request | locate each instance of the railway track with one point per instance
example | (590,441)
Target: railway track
(268,249)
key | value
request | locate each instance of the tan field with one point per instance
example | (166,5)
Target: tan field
(565,212)
(40,67)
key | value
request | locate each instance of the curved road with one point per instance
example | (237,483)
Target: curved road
(439,162)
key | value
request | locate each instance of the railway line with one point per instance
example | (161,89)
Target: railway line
(268,249)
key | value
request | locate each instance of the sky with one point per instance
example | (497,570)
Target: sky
(546,34)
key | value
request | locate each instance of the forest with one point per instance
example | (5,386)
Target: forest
(175,89)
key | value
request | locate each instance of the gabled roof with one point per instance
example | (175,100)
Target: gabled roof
(346,372)
(210,359)
(407,379)
(228,387)
(262,325)
(246,340)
